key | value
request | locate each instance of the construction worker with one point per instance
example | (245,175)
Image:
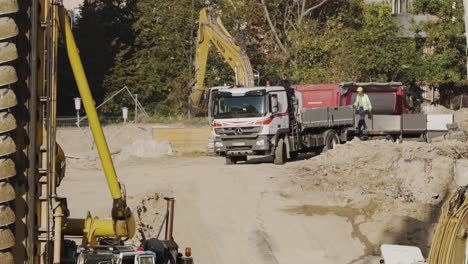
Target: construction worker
(363,105)
(285,82)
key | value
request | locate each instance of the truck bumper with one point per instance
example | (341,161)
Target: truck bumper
(242,147)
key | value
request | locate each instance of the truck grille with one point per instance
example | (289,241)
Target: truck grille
(238,132)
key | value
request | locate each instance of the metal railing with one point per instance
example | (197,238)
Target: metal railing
(70,121)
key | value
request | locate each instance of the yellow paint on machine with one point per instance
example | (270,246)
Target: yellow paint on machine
(184,139)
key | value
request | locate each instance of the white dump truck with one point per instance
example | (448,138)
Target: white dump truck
(282,122)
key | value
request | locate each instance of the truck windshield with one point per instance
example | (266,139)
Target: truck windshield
(239,106)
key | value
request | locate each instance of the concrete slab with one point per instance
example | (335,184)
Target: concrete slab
(438,122)
(461,172)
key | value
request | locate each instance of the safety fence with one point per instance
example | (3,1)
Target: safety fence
(71,121)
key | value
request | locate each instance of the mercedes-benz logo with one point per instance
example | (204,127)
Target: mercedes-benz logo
(238,131)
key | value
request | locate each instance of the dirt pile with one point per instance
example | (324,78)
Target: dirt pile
(124,141)
(390,193)
(149,211)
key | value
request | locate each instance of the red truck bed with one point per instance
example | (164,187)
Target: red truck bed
(386,98)
(319,95)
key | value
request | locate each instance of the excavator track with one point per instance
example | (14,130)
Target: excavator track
(8,102)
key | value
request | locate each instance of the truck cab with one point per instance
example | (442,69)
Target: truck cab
(247,121)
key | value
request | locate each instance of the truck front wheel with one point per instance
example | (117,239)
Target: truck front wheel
(280,153)
(231,160)
(294,155)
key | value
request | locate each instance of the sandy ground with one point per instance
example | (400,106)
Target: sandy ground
(227,214)
(338,207)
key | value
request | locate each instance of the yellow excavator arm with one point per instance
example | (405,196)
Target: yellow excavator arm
(212,30)
(122,223)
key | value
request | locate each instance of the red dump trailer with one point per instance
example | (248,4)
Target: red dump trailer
(386,98)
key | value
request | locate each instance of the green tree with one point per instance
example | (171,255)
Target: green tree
(360,43)
(156,64)
(103,30)
(443,65)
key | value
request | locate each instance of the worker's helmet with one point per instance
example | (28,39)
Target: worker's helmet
(360,89)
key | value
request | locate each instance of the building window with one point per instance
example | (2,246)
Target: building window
(400,6)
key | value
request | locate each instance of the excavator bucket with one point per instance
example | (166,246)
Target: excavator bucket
(6,258)
(7,170)
(8,7)
(7,122)
(8,52)
(8,28)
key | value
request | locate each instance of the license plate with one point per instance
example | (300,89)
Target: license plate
(237,144)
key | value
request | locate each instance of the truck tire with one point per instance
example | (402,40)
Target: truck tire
(280,152)
(293,155)
(231,160)
(331,140)
(317,150)
(241,158)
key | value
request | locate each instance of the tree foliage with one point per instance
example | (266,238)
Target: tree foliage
(359,43)
(444,63)
(149,45)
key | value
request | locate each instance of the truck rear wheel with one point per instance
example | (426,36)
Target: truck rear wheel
(280,153)
(231,160)
(331,140)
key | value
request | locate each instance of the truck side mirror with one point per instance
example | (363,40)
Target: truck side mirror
(274,103)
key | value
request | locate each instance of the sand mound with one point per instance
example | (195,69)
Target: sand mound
(142,148)
(391,193)
(124,141)
(149,210)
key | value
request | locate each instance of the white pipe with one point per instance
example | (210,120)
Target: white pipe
(235,72)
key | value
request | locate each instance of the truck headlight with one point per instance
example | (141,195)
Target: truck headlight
(260,142)
(218,144)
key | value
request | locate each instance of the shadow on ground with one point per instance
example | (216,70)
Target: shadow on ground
(269,159)
(415,232)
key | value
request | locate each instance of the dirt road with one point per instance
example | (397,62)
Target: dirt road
(338,207)
(227,214)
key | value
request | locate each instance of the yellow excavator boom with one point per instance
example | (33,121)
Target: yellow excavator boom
(212,30)
(122,224)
